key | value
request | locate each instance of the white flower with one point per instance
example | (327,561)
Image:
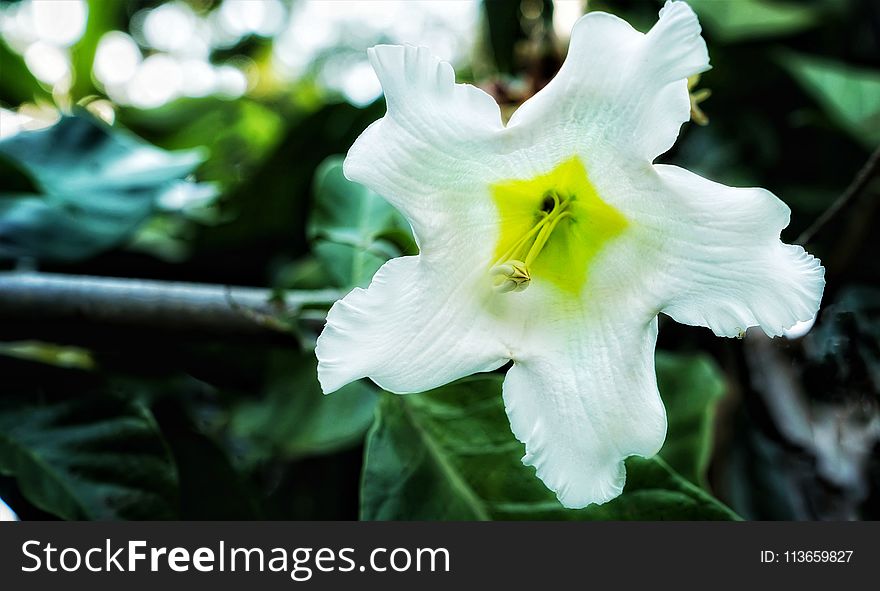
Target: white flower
(6,513)
(554,242)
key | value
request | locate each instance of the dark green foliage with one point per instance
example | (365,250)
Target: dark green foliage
(745,20)
(449,454)
(78,450)
(850,96)
(353,230)
(691,387)
(294,419)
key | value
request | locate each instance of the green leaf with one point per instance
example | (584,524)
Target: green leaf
(94,187)
(345,264)
(449,454)
(352,229)
(850,96)
(79,452)
(204,467)
(691,386)
(295,419)
(739,20)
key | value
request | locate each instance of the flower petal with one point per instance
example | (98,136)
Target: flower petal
(620,89)
(406,332)
(726,267)
(585,399)
(433,147)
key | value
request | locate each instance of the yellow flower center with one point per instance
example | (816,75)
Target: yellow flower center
(552,227)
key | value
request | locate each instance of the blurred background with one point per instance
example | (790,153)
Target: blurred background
(200,141)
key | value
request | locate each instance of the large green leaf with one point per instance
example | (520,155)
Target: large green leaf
(849,95)
(79,452)
(738,20)
(352,229)
(691,386)
(294,419)
(449,454)
(94,186)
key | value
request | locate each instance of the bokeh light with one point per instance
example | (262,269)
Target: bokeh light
(43,31)
(332,38)
(171,50)
(116,59)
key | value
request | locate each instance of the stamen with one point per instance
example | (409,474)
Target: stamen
(697,97)
(543,237)
(510,276)
(511,271)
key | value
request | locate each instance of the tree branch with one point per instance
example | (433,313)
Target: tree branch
(865,174)
(87,310)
